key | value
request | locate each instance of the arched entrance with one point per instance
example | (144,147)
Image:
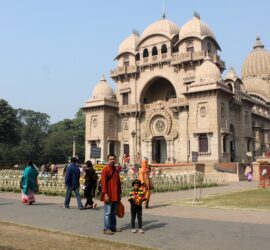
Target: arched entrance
(158,89)
(159,147)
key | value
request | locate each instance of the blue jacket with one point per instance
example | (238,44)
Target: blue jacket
(72,178)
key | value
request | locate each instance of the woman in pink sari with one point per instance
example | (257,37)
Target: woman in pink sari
(29,184)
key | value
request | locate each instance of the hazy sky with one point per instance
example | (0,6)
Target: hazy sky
(53,52)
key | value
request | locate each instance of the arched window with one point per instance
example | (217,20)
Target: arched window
(163,49)
(230,87)
(145,53)
(137,57)
(154,51)
(190,46)
(126,61)
(209,47)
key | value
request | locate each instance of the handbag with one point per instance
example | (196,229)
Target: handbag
(120,210)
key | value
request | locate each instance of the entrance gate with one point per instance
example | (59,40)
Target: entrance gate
(159,147)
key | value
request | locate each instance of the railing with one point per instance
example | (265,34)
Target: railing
(54,185)
(173,102)
(123,70)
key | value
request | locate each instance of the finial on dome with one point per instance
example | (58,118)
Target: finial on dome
(197,15)
(258,43)
(103,78)
(163,11)
(135,32)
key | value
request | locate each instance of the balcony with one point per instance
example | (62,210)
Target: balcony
(123,70)
(180,58)
(171,103)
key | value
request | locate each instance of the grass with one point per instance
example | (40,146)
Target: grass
(257,199)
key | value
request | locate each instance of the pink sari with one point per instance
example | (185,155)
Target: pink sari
(28,198)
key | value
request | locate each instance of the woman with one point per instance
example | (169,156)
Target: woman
(90,185)
(146,182)
(29,183)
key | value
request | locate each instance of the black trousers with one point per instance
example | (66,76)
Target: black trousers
(136,210)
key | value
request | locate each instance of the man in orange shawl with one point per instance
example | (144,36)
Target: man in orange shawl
(145,180)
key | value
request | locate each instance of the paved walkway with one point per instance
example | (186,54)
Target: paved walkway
(167,225)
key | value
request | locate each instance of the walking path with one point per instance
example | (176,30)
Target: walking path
(167,225)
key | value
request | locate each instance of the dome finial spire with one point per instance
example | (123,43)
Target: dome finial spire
(163,11)
(197,14)
(258,43)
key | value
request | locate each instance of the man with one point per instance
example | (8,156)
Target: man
(72,181)
(111,194)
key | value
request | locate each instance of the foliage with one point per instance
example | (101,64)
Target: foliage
(27,135)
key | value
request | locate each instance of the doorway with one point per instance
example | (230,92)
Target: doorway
(159,147)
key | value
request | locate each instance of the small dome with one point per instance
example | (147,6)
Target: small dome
(257,86)
(164,27)
(195,28)
(207,72)
(257,63)
(129,44)
(231,75)
(103,90)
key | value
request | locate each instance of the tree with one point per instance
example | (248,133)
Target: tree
(33,131)
(8,123)
(9,135)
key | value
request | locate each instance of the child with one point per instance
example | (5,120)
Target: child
(136,198)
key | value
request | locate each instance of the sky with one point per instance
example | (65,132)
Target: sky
(54,52)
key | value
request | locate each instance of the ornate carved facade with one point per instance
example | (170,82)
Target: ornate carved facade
(170,99)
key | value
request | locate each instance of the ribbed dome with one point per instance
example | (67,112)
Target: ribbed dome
(231,75)
(129,44)
(163,26)
(257,63)
(257,86)
(103,90)
(195,28)
(208,72)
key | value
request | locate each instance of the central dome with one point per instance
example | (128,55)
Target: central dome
(163,27)
(258,87)
(257,63)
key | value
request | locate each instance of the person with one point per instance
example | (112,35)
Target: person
(72,181)
(29,183)
(110,194)
(90,183)
(249,172)
(136,198)
(145,180)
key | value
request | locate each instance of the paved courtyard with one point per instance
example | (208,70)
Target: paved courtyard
(167,225)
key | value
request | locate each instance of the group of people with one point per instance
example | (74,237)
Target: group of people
(110,192)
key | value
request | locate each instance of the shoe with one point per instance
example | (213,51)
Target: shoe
(134,230)
(141,231)
(65,207)
(81,208)
(108,232)
(117,230)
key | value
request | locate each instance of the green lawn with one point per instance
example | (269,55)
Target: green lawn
(258,199)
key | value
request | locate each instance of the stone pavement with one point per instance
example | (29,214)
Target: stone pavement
(167,225)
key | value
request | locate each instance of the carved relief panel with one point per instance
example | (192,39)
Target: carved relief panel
(203,116)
